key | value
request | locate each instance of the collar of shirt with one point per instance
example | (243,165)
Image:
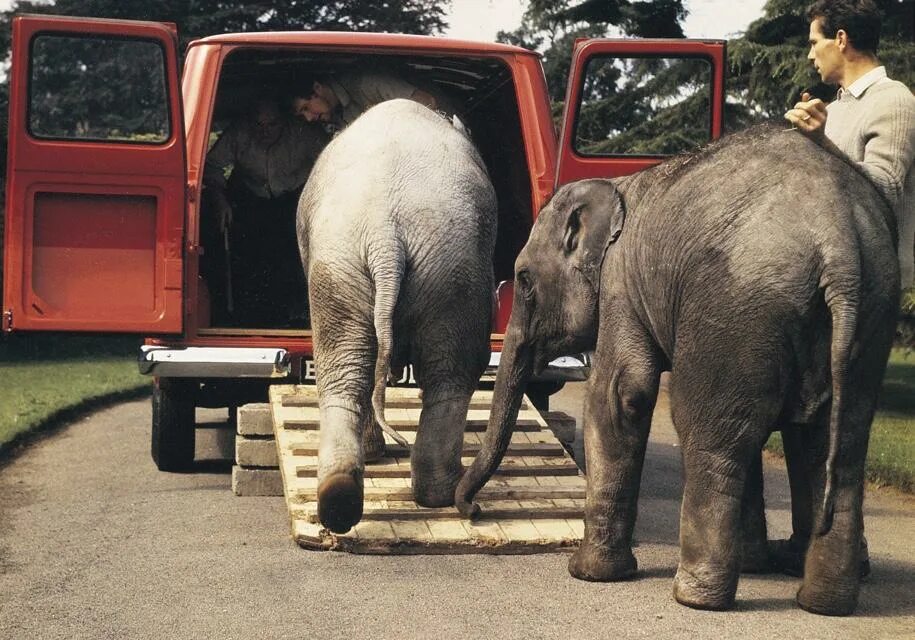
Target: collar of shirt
(862,84)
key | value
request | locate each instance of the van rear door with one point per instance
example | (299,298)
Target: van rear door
(95,192)
(632,103)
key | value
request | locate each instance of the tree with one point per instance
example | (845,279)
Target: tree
(769,67)
(628,105)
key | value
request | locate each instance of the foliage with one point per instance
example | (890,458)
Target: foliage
(626,102)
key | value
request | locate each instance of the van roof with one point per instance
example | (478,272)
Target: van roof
(350,39)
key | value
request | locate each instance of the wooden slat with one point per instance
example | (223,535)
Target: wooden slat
(487,515)
(397,403)
(542,449)
(404,472)
(477,426)
(488,493)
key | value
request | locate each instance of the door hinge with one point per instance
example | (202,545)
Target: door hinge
(6,322)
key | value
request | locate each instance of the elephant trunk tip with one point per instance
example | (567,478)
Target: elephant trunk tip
(465,506)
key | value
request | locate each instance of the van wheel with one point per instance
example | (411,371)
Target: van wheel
(173,423)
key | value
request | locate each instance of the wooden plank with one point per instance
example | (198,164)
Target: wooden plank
(539,449)
(409,424)
(303,494)
(376,470)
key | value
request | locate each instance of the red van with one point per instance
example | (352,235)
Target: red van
(107,225)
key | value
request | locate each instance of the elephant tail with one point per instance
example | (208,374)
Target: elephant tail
(387,277)
(843,307)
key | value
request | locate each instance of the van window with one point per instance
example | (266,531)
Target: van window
(94,88)
(644,106)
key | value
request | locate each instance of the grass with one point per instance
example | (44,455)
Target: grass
(46,378)
(891,452)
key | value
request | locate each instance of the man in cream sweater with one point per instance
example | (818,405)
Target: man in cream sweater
(872,121)
(873,118)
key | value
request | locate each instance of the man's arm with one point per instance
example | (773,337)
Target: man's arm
(890,148)
(379,88)
(218,161)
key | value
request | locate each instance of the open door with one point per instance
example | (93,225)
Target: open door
(632,103)
(95,192)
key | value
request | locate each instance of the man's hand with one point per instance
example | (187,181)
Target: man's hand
(809,117)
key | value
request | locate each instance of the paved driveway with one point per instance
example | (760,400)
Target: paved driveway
(95,543)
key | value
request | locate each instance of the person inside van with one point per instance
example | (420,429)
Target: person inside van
(253,177)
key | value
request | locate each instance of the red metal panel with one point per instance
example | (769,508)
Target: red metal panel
(572,166)
(94,229)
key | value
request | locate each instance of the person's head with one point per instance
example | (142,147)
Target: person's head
(268,119)
(841,31)
(317,104)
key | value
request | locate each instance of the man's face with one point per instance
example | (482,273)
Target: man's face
(825,54)
(268,122)
(317,107)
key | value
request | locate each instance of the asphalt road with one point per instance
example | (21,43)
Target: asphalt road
(95,543)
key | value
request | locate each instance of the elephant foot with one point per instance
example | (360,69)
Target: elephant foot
(837,599)
(755,558)
(340,502)
(434,494)
(713,592)
(594,564)
(787,556)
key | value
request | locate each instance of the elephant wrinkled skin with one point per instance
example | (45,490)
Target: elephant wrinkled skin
(397,228)
(771,296)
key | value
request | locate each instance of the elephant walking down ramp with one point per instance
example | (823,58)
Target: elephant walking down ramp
(397,226)
(762,273)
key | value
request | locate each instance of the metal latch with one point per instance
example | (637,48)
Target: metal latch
(6,323)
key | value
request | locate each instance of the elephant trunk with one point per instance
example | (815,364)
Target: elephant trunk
(515,369)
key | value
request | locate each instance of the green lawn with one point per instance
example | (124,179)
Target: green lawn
(891,453)
(43,378)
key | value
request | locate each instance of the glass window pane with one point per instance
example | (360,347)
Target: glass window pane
(91,88)
(644,106)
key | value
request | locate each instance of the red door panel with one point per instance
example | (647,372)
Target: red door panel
(576,165)
(96,178)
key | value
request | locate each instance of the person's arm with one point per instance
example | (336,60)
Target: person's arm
(890,148)
(218,161)
(379,88)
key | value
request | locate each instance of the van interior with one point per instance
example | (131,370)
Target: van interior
(480,90)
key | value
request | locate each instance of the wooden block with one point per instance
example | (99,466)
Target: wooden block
(577,525)
(255,420)
(251,452)
(488,533)
(375,530)
(256,482)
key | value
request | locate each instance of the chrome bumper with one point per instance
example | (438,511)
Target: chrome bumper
(575,368)
(213,362)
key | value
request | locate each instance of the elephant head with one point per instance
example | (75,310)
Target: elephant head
(554,309)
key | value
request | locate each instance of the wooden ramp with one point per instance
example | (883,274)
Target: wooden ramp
(534,503)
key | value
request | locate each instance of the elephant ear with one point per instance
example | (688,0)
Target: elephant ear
(593,221)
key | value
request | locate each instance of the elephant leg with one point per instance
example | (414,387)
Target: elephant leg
(787,556)
(832,566)
(372,438)
(345,368)
(755,556)
(435,462)
(620,400)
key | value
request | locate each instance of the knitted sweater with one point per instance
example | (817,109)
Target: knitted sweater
(877,131)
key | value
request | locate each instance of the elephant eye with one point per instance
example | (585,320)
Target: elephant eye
(525,286)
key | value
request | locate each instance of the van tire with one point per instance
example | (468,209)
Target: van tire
(173,423)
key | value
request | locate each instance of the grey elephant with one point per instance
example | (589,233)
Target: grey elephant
(769,293)
(396,226)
